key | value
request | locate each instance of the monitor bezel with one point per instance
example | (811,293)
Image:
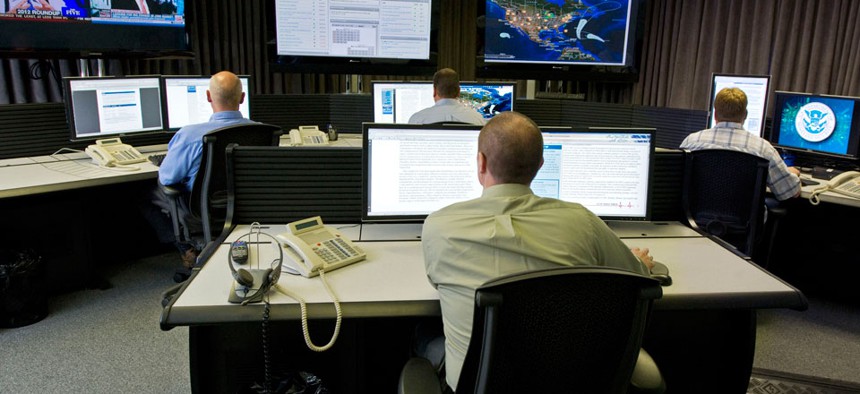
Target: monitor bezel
(854,132)
(70,113)
(365,184)
(165,111)
(766,77)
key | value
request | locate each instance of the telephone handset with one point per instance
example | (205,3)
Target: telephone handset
(111,151)
(308,135)
(314,246)
(846,183)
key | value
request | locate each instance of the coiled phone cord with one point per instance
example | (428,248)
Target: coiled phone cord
(304,309)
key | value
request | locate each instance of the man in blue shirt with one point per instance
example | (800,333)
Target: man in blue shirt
(180,166)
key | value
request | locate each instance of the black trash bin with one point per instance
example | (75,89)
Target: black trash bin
(23,297)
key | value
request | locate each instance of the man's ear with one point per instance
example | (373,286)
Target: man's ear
(209,96)
(242,98)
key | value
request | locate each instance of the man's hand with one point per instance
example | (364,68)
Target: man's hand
(794,171)
(644,257)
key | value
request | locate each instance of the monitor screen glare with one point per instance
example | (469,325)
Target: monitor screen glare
(106,107)
(756,89)
(186,103)
(411,171)
(396,102)
(818,124)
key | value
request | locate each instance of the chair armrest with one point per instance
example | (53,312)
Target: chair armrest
(646,376)
(172,191)
(418,377)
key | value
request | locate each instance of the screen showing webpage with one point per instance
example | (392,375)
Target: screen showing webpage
(412,172)
(396,102)
(394,29)
(111,106)
(755,87)
(186,102)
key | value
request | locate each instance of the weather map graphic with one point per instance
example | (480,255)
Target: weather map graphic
(593,32)
(487,100)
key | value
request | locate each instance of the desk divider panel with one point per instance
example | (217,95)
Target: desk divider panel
(672,124)
(42,129)
(581,114)
(285,184)
(667,186)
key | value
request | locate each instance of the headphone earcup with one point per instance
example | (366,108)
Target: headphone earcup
(244,278)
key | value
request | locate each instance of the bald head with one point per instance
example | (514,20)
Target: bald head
(730,105)
(225,92)
(446,83)
(512,149)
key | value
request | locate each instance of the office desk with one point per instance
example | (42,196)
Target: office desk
(62,206)
(711,284)
(43,174)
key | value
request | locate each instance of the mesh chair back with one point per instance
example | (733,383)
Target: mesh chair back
(724,193)
(209,192)
(571,329)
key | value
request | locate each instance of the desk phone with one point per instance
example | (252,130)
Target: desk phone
(111,151)
(314,246)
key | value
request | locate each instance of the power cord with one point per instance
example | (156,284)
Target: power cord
(304,310)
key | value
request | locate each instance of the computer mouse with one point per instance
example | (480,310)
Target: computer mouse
(661,272)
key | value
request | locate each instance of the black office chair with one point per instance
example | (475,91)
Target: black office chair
(724,195)
(198,216)
(558,330)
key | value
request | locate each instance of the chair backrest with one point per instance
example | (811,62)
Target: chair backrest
(285,184)
(559,330)
(724,192)
(209,192)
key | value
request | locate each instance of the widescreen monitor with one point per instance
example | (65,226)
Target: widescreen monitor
(395,29)
(42,27)
(819,124)
(396,102)
(411,171)
(186,103)
(586,32)
(109,107)
(756,89)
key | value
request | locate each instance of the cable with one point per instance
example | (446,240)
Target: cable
(304,309)
(120,168)
(66,149)
(813,197)
(267,380)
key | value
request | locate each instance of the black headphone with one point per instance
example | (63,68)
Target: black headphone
(246,288)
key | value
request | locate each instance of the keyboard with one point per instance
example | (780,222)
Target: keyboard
(808,182)
(157,158)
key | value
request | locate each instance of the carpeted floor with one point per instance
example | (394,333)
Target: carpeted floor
(774,382)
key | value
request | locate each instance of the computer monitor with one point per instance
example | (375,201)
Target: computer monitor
(411,171)
(396,102)
(110,107)
(186,103)
(607,170)
(818,124)
(756,89)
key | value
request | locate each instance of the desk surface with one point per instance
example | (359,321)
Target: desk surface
(392,281)
(42,174)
